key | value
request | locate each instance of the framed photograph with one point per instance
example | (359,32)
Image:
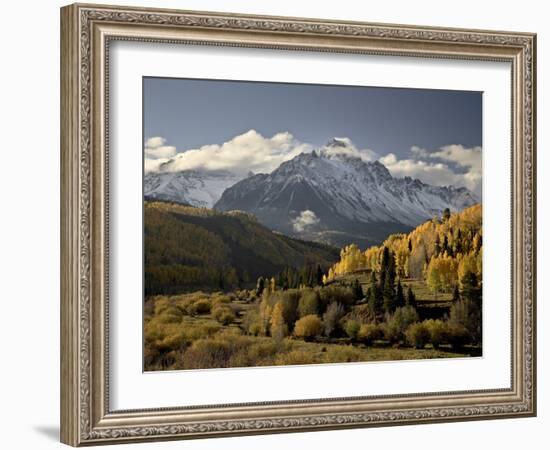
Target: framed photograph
(276,224)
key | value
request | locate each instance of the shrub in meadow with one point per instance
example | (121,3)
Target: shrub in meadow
(370,332)
(332,316)
(308,303)
(397,323)
(458,335)
(308,327)
(351,327)
(438,332)
(223,314)
(417,335)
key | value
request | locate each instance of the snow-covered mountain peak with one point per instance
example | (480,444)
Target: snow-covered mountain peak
(193,187)
(333,165)
(344,194)
(336,142)
(335,194)
(339,148)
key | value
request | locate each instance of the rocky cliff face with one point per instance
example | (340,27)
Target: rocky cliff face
(336,198)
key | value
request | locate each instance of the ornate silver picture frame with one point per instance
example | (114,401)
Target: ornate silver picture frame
(87,32)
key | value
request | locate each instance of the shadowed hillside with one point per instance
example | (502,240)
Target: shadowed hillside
(188,248)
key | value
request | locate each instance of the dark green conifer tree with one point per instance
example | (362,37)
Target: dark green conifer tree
(221,281)
(357,290)
(387,280)
(399,295)
(458,243)
(260,286)
(411,298)
(445,246)
(456,294)
(437,245)
(319,277)
(374,297)
(470,288)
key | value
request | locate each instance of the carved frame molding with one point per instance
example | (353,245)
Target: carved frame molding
(86,32)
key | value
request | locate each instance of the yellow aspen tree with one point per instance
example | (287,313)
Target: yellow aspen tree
(279,329)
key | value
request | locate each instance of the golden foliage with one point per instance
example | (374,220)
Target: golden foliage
(351,259)
(439,250)
(308,327)
(441,274)
(279,328)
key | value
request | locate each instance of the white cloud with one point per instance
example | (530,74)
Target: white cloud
(244,153)
(468,158)
(465,157)
(419,152)
(304,220)
(439,173)
(155,148)
(154,142)
(166,151)
(153,165)
(344,146)
(389,159)
(252,152)
(431,173)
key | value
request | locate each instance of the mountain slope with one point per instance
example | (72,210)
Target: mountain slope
(191,187)
(188,248)
(338,199)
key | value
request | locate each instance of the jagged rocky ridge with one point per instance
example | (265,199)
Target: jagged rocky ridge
(338,198)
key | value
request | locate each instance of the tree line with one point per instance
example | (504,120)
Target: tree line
(440,251)
(189,248)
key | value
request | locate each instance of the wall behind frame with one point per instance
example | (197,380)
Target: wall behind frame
(29,229)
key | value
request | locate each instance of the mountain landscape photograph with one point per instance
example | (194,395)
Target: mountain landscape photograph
(290,224)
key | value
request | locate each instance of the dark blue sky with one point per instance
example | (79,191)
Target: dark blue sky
(191,113)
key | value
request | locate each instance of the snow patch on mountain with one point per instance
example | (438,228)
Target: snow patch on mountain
(341,190)
(344,147)
(336,194)
(192,187)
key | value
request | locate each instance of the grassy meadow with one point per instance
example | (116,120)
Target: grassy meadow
(416,296)
(204,330)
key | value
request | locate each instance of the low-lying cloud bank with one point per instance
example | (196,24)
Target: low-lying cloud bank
(251,152)
(453,165)
(248,152)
